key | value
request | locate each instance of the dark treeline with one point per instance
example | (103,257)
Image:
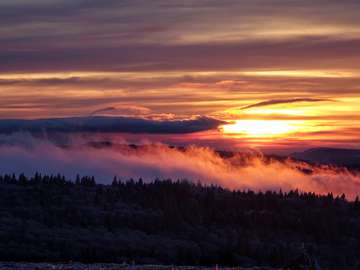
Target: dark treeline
(48,218)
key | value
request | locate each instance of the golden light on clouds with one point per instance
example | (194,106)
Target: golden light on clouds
(302,73)
(267,107)
(284,122)
(327,73)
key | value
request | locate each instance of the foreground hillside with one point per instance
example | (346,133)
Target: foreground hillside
(51,219)
(111,266)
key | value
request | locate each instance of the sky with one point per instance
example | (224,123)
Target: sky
(273,75)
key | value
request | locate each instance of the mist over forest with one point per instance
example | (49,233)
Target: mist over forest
(104,159)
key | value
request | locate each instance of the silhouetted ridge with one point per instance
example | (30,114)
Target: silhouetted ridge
(333,156)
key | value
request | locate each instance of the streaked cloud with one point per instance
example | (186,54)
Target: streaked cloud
(282,101)
(122,110)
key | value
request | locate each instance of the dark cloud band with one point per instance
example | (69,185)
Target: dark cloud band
(109,124)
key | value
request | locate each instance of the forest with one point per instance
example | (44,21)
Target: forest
(53,219)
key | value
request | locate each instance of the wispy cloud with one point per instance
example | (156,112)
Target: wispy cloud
(132,110)
(283,101)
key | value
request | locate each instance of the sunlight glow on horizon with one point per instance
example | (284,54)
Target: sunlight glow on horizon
(268,107)
(261,128)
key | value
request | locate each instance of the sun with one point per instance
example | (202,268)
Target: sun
(260,128)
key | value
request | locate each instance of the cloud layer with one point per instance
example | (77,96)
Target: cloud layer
(143,35)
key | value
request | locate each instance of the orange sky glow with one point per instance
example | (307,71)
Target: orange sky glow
(292,115)
(281,76)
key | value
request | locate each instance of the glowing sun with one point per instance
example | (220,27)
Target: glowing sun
(260,128)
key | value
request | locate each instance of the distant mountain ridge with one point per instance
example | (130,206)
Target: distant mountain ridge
(332,156)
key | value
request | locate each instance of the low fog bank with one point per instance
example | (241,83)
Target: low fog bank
(26,154)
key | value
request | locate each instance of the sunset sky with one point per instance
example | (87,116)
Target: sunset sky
(274,75)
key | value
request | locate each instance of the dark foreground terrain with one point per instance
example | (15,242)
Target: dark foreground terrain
(50,219)
(111,266)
